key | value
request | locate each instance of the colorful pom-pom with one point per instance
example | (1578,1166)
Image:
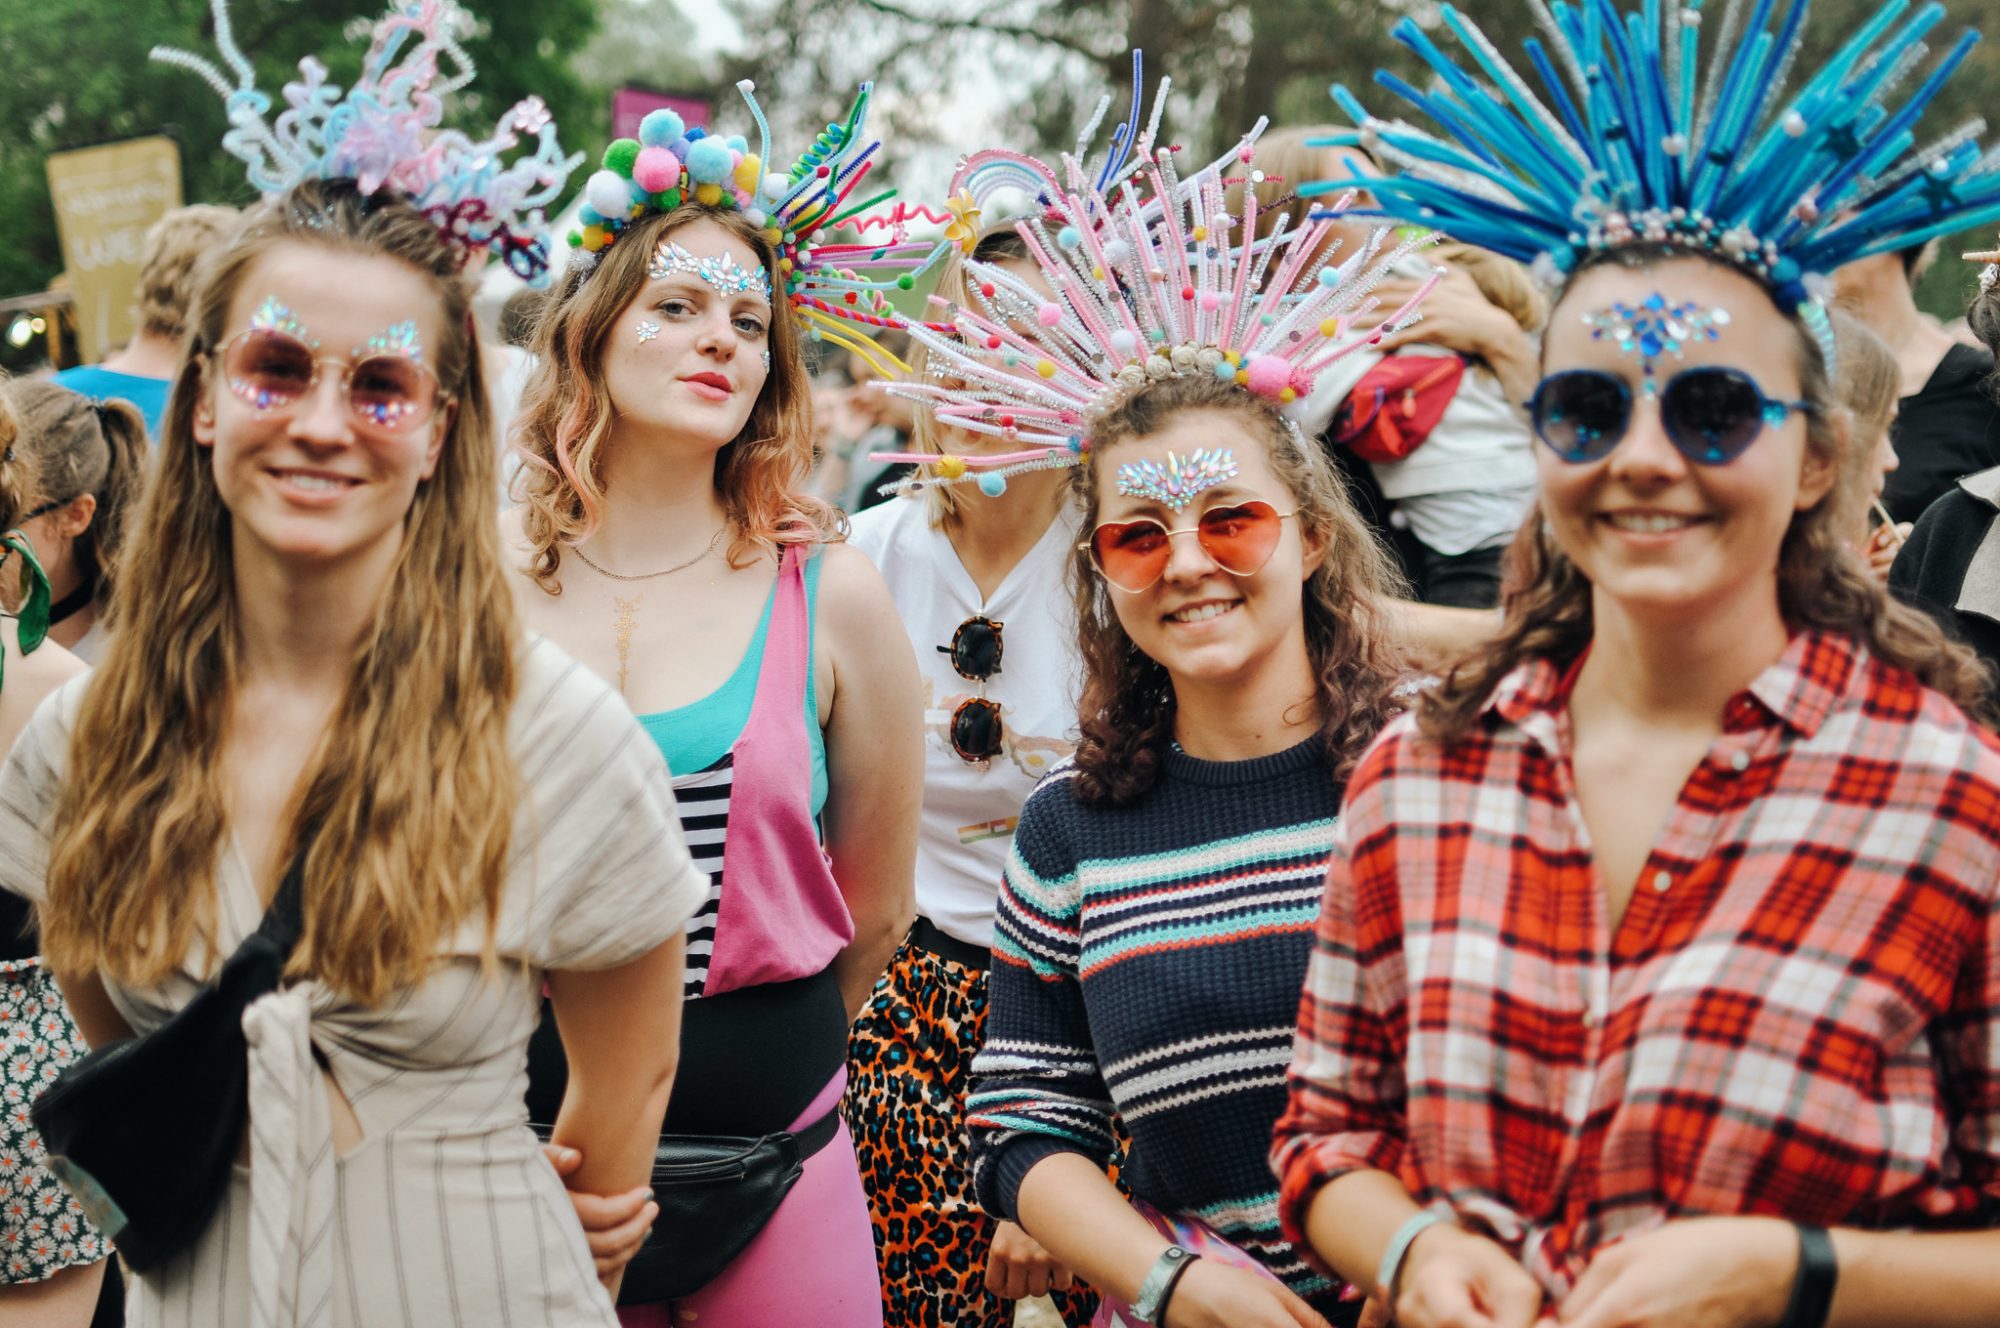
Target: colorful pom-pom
(1329,276)
(1123,342)
(667,199)
(656,170)
(588,216)
(993,484)
(708,195)
(709,162)
(1046,368)
(951,467)
(1225,371)
(660,128)
(607,191)
(747,173)
(1329,327)
(1069,237)
(1211,301)
(593,238)
(620,155)
(1049,313)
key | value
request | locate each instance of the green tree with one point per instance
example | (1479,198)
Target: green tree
(77,73)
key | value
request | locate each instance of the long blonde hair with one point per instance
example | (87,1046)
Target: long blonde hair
(566,411)
(412,790)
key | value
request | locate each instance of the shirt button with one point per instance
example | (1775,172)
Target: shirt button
(1740,762)
(1662,881)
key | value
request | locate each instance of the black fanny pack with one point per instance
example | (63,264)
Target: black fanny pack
(758,1057)
(143,1131)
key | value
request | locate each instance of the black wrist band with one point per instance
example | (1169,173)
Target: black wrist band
(1167,1296)
(1812,1286)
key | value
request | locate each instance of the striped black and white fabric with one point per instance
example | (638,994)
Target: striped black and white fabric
(446,1212)
(703,798)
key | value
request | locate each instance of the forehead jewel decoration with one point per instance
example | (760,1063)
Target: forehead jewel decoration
(1177,483)
(722,273)
(1615,134)
(385,132)
(1153,277)
(1655,327)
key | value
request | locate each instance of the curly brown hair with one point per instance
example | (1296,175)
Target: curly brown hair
(1126,711)
(1546,600)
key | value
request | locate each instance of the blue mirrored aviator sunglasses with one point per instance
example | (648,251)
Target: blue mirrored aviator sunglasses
(1710,413)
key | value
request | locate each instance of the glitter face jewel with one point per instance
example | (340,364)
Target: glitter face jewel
(648,329)
(1654,328)
(397,339)
(273,315)
(724,275)
(767,361)
(1176,484)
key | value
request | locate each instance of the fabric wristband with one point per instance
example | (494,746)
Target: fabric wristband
(1813,1284)
(1399,1250)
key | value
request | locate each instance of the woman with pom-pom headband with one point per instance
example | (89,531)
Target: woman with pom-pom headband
(319,664)
(667,539)
(1654,982)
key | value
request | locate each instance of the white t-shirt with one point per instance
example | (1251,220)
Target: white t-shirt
(969,812)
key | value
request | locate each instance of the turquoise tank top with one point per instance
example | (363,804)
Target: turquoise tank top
(695,736)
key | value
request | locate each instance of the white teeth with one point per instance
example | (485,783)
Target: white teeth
(1646,523)
(1201,613)
(318,482)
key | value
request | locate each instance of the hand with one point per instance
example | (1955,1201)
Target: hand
(1882,545)
(614,1225)
(1458,316)
(1703,1272)
(1374,1314)
(1018,1267)
(1211,1294)
(1452,1278)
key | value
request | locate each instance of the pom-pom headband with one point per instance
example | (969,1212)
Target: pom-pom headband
(1153,279)
(1631,152)
(383,133)
(839,290)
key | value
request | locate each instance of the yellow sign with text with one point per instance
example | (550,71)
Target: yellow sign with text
(105,199)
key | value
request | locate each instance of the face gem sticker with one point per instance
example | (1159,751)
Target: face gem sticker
(767,361)
(1654,328)
(724,275)
(648,329)
(398,339)
(273,315)
(1176,484)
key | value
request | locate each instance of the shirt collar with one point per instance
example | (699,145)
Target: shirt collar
(1799,689)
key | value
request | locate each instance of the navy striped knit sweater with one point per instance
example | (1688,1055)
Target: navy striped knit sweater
(1148,960)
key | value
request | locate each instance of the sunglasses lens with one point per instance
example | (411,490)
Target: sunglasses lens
(1582,414)
(975,730)
(269,370)
(391,392)
(1240,539)
(1712,414)
(1131,554)
(975,649)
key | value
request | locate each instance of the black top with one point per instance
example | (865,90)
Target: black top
(1947,431)
(1931,568)
(17,928)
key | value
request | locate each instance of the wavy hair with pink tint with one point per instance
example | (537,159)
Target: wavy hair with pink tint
(566,414)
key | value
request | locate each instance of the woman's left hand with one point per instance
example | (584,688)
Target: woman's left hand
(1884,542)
(615,1226)
(1704,1272)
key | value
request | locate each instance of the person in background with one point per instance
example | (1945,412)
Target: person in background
(169,269)
(1948,421)
(1454,496)
(863,419)
(1950,565)
(1869,382)
(90,460)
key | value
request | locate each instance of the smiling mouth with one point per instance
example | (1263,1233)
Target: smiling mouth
(1196,613)
(1650,523)
(315,481)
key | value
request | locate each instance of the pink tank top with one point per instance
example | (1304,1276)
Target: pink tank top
(780,915)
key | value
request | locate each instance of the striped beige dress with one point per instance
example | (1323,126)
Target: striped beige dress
(446,1212)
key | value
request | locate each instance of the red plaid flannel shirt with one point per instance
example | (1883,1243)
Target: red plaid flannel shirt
(1799,1013)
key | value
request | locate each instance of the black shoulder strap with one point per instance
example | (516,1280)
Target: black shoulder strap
(285,918)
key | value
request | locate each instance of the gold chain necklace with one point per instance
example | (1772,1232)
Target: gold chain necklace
(589,562)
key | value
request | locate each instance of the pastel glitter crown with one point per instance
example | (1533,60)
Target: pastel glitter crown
(837,289)
(1153,278)
(383,132)
(1630,140)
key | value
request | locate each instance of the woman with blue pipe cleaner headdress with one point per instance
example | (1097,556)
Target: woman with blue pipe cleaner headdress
(1655,983)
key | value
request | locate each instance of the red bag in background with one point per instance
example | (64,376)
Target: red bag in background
(1396,405)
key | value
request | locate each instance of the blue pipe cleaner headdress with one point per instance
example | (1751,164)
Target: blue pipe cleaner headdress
(1631,142)
(383,133)
(1154,277)
(839,290)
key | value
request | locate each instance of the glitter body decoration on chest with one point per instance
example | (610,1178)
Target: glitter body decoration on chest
(1181,480)
(1654,328)
(723,274)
